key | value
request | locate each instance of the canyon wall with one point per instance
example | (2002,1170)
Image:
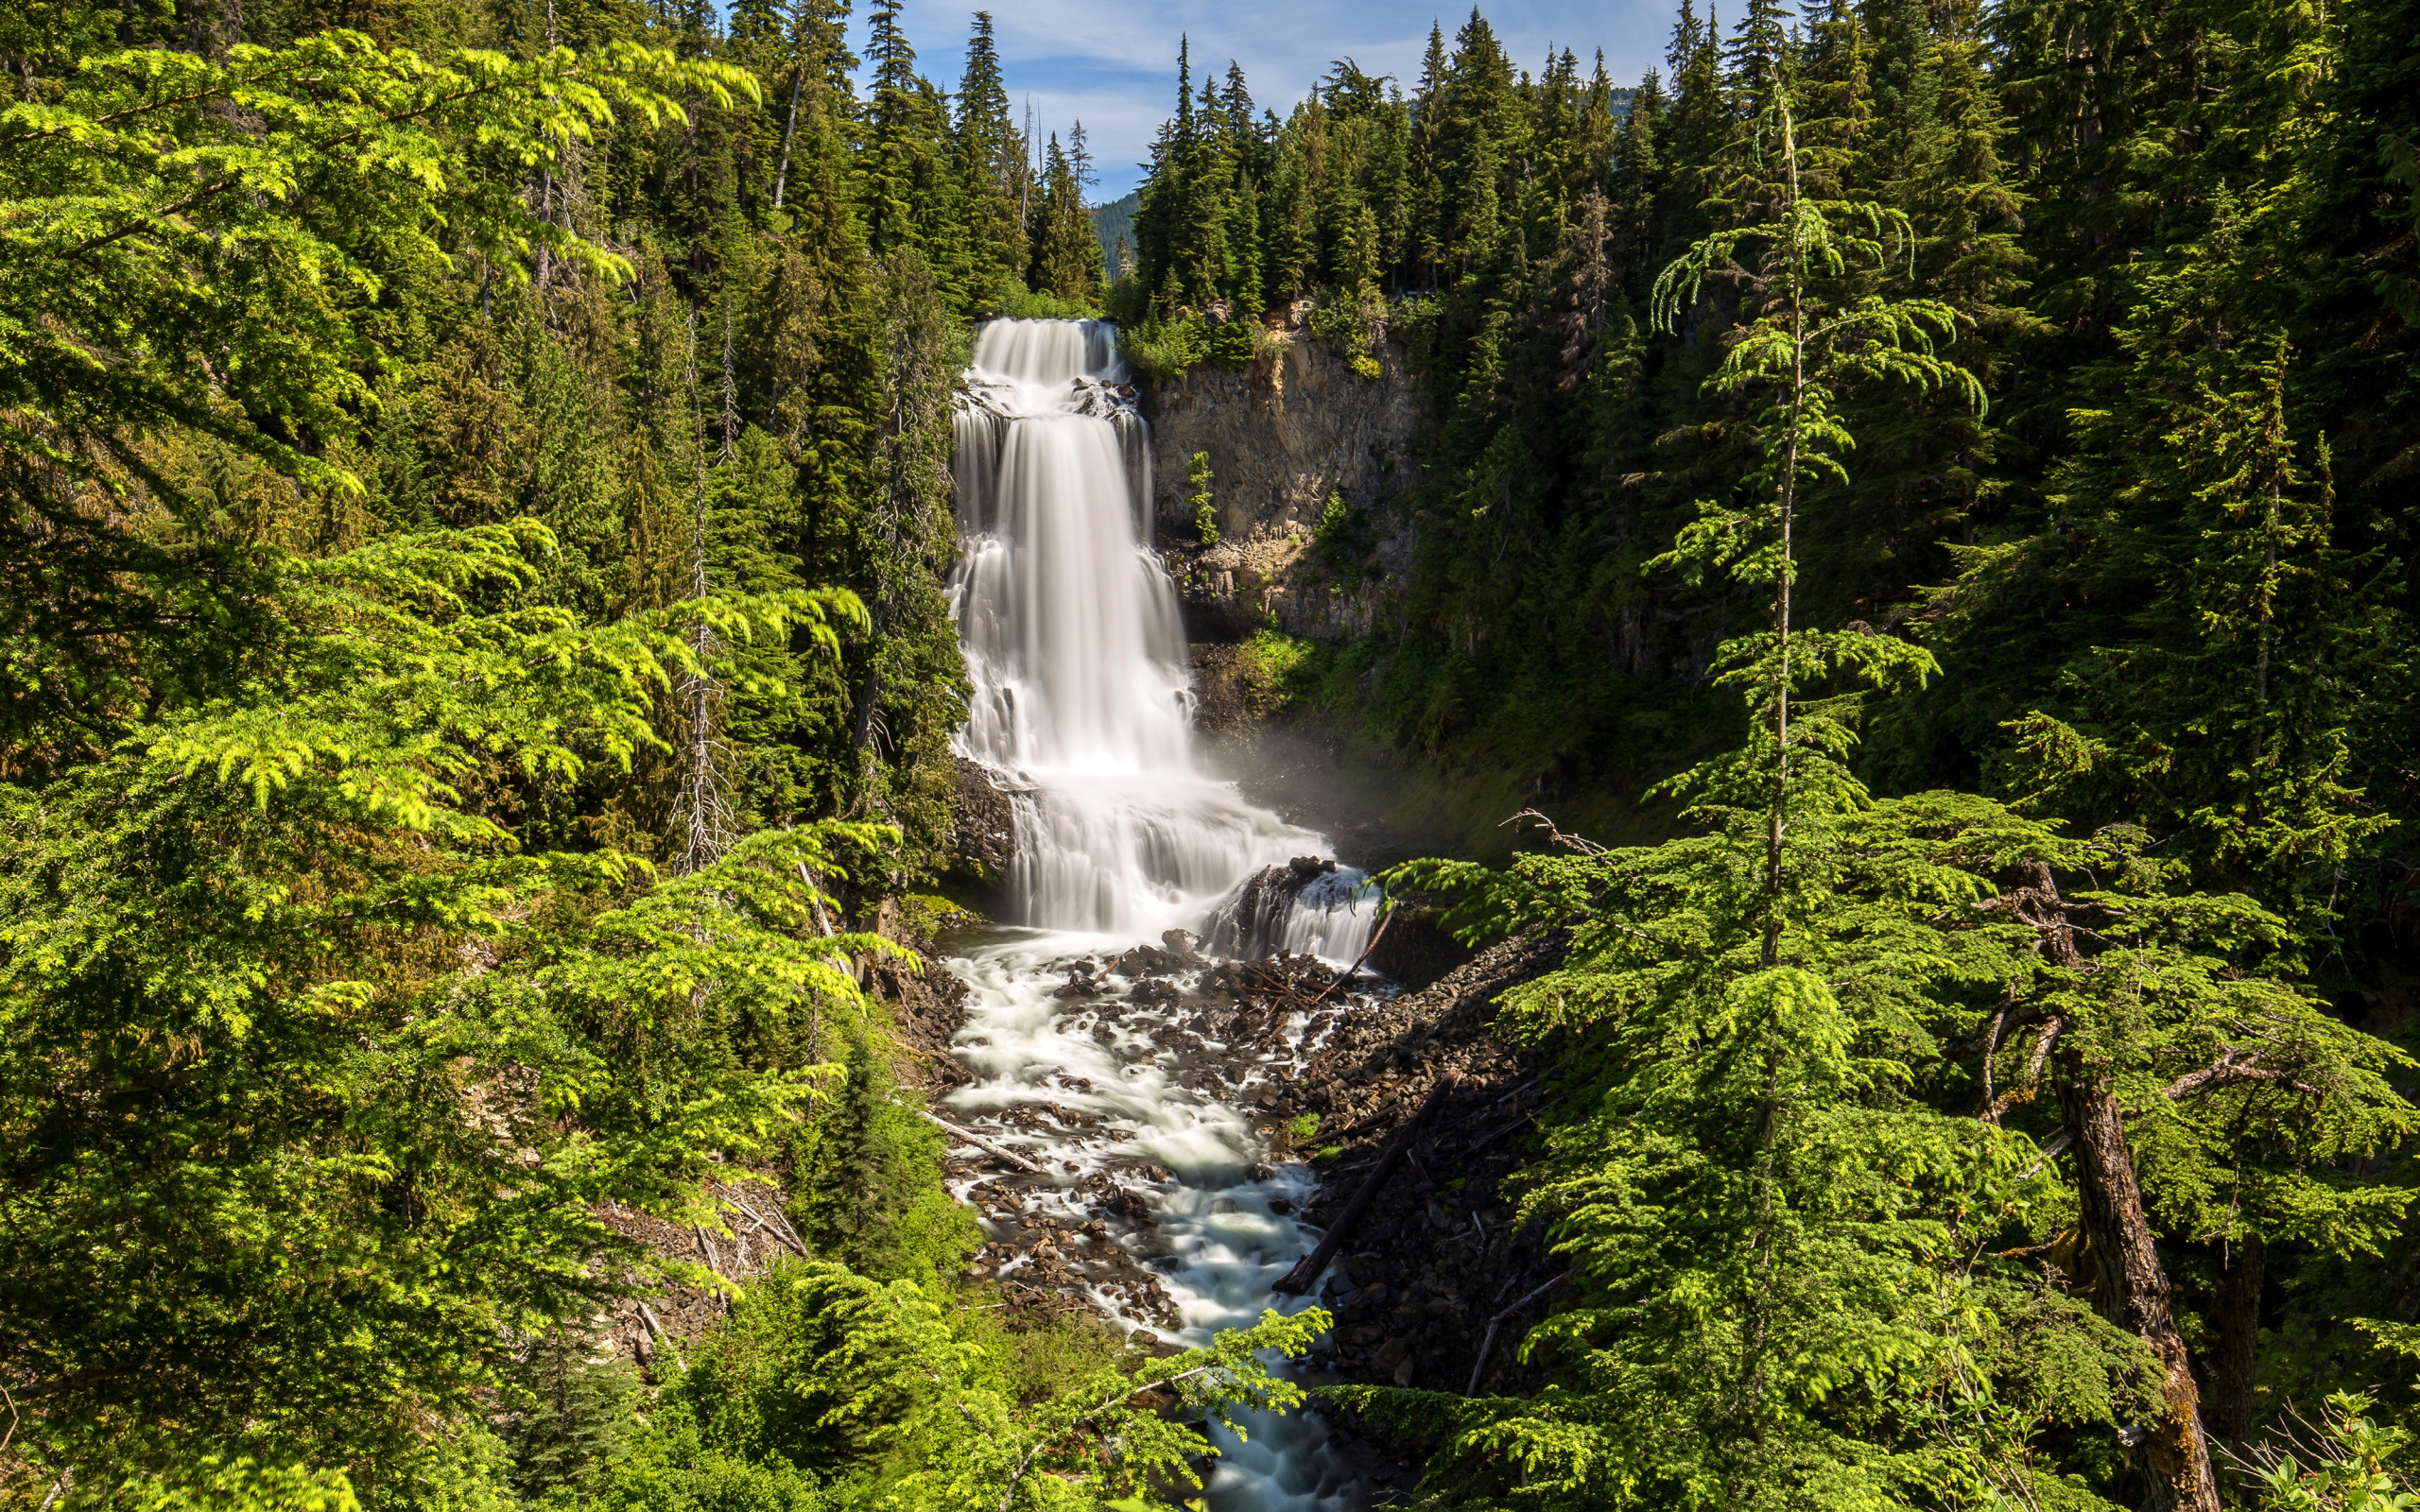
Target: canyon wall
(1283,438)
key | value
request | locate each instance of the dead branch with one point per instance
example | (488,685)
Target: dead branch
(1569,842)
(1306,1270)
(2227,1072)
(985,1146)
(1487,1346)
(2024,1090)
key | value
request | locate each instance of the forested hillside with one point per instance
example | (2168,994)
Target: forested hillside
(2163,560)
(1951,465)
(477,516)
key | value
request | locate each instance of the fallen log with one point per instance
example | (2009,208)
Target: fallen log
(1306,1270)
(987,1146)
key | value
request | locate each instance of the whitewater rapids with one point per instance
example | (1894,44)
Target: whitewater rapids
(1083,714)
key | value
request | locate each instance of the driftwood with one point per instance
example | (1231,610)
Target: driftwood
(1279,985)
(784,1235)
(663,1339)
(987,1146)
(1306,1270)
(1488,1139)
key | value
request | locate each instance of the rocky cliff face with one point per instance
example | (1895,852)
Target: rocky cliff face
(1281,438)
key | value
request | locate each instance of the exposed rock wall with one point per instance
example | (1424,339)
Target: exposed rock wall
(1281,438)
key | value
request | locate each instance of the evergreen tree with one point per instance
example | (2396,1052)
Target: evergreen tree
(1068,261)
(991,162)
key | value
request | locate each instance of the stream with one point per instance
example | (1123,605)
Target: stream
(1108,1042)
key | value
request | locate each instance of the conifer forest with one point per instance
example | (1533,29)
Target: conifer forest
(641,865)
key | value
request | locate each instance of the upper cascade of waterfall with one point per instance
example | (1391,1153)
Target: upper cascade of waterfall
(1082,692)
(1049,352)
(1069,623)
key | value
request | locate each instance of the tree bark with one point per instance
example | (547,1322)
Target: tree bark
(1001,1151)
(1305,1273)
(2133,1292)
(2229,1413)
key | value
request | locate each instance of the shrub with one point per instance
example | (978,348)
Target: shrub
(824,1389)
(868,1179)
(1205,513)
(1345,539)
(1352,328)
(1017,302)
(1164,348)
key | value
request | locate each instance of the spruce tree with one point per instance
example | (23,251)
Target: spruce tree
(887,167)
(990,162)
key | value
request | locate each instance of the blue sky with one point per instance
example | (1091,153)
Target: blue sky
(1114,64)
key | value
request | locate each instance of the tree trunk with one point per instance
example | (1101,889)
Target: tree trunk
(2133,1292)
(869,690)
(2229,1413)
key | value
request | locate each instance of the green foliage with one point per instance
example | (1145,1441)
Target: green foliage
(2354,1465)
(1235,343)
(213,1485)
(364,1065)
(1789,1247)
(1017,302)
(426,446)
(1275,655)
(1206,510)
(1166,347)
(178,263)
(891,1396)
(868,1172)
(574,1412)
(1352,328)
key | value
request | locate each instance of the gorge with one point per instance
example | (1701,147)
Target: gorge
(1122,840)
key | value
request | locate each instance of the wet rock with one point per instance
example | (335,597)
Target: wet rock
(983,838)
(1154,994)
(1182,944)
(1251,922)
(1416,951)
(1282,438)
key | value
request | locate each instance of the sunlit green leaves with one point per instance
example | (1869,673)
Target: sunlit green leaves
(315,1080)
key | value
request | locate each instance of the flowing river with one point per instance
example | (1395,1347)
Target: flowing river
(1143,1105)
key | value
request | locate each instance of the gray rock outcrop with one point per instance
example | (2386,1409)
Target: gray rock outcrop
(1281,438)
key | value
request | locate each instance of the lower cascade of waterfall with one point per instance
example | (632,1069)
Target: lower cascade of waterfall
(1108,1028)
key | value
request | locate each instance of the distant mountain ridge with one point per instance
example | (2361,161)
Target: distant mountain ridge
(1113,221)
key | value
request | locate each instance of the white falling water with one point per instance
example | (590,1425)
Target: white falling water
(1082,700)
(1083,710)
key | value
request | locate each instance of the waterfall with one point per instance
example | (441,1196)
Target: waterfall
(1082,714)
(1082,700)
